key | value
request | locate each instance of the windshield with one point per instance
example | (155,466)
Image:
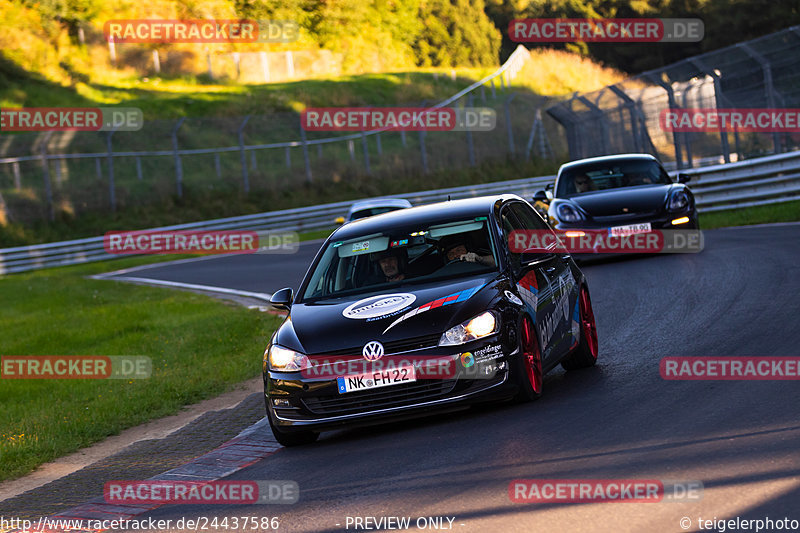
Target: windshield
(402,256)
(602,176)
(372,211)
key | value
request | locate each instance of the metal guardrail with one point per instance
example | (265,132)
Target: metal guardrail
(765,180)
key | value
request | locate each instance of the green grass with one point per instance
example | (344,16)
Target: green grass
(200,347)
(762,214)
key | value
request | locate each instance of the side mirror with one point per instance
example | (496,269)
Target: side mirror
(339,220)
(549,187)
(540,196)
(533,256)
(282,299)
(683,178)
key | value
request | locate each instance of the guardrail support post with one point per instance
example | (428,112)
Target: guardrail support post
(217,165)
(138,168)
(243,155)
(178,163)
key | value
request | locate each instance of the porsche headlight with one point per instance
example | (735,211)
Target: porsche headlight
(567,213)
(482,325)
(678,200)
(284,359)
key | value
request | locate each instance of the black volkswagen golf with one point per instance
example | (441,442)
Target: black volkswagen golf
(424,310)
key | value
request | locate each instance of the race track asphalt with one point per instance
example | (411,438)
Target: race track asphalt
(618,420)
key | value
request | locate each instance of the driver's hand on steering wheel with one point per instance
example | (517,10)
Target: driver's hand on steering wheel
(472,257)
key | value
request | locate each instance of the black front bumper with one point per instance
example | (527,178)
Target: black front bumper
(317,404)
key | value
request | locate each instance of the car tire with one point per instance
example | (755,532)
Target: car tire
(292,438)
(585,354)
(528,371)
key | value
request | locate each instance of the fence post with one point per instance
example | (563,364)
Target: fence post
(48,190)
(243,155)
(98,169)
(403,137)
(351,148)
(306,159)
(718,96)
(288,157)
(366,152)
(57,165)
(178,163)
(138,168)
(672,105)
(769,88)
(508,125)
(264,66)
(422,152)
(470,144)
(112,193)
(17,176)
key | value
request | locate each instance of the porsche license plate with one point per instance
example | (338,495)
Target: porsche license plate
(377,379)
(631,229)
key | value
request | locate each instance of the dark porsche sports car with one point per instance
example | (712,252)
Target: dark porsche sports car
(431,283)
(628,193)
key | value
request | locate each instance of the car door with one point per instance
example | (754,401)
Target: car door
(558,292)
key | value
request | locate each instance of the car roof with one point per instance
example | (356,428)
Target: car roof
(379,202)
(616,157)
(423,215)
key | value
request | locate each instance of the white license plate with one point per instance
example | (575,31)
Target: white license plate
(631,229)
(377,379)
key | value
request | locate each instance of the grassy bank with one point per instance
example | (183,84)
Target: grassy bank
(762,214)
(199,347)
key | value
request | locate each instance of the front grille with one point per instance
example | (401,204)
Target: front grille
(625,217)
(394,347)
(385,397)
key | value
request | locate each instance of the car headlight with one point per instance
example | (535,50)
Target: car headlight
(482,325)
(284,359)
(678,200)
(567,213)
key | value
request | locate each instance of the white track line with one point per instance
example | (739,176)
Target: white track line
(192,286)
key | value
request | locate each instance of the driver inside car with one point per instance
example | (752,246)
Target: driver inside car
(455,249)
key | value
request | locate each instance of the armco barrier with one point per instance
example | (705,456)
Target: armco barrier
(759,181)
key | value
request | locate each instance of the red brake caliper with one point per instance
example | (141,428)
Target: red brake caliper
(533,357)
(587,322)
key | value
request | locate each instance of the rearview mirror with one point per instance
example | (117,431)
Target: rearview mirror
(282,299)
(683,178)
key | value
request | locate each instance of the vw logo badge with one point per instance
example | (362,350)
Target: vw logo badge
(372,351)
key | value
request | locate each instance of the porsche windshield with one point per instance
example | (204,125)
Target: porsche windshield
(402,256)
(606,175)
